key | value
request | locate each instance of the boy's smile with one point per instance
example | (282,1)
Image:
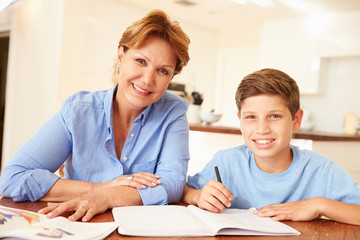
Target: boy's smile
(267,125)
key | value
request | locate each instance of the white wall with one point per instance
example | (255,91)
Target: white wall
(233,65)
(33,70)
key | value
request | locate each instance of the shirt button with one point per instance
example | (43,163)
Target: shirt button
(124,158)
(132,135)
(139,117)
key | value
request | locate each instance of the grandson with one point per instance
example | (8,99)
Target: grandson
(268,173)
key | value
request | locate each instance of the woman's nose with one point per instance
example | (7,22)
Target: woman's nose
(148,76)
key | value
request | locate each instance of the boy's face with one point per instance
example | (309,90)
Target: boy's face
(267,125)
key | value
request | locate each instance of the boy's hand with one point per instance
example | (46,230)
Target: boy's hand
(304,210)
(214,196)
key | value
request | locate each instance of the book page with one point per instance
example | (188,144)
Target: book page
(242,222)
(168,220)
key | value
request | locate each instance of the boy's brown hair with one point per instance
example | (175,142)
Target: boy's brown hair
(271,82)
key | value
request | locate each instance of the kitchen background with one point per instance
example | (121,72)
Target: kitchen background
(58,47)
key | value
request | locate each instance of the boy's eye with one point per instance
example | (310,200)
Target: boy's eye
(274,116)
(249,117)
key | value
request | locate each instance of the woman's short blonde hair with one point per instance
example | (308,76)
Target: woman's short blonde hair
(157,24)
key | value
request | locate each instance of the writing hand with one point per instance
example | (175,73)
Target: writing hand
(214,196)
(304,210)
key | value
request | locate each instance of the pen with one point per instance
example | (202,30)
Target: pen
(217,174)
(219,180)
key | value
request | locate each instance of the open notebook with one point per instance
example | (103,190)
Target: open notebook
(174,220)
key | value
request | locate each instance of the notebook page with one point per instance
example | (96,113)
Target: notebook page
(234,220)
(168,220)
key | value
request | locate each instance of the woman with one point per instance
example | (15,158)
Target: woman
(124,146)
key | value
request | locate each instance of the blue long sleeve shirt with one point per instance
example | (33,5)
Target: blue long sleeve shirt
(81,135)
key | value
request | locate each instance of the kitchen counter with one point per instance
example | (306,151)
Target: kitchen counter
(318,136)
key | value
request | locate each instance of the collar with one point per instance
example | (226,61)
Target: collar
(108,105)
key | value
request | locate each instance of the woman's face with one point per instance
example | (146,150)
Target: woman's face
(145,72)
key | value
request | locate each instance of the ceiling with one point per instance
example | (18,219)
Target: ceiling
(220,14)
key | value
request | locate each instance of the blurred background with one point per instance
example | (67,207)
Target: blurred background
(51,49)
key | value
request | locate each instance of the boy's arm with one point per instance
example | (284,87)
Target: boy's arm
(306,210)
(212,197)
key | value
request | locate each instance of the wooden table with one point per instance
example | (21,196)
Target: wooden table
(317,229)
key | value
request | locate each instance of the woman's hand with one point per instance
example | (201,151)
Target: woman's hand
(84,207)
(214,197)
(138,180)
(102,197)
(304,210)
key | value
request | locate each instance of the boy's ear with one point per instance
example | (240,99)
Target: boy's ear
(238,115)
(297,119)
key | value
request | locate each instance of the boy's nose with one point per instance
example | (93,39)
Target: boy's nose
(262,127)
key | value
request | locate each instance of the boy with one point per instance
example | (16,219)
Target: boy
(268,173)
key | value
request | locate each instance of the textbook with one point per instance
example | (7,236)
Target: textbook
(21,224)
(175,220)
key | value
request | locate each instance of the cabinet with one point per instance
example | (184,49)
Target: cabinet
(340,37)
(293,46)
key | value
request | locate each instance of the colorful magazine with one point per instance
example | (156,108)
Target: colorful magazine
(17,223)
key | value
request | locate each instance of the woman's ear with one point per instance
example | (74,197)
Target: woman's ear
(120,55)
(297,119)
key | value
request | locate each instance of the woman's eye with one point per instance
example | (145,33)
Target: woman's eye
(164,71)
(141,61)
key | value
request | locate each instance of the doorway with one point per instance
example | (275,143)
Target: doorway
(4,50)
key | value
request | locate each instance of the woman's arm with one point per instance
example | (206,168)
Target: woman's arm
(306,210)
(30,173)
(64,189)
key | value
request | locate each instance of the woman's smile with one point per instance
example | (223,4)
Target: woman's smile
(140,90)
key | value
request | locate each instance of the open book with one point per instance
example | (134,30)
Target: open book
(174,220)
(21,224)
